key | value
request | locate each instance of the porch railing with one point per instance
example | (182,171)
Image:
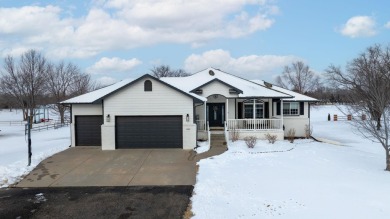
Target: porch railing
(201,125)
(254,124)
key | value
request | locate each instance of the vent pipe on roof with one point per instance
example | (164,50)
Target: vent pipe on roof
(269,85)
(211,72)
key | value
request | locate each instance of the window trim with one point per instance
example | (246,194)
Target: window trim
(251,104)
(289,110)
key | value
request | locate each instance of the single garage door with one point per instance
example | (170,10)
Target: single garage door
(149,132)
(88,130)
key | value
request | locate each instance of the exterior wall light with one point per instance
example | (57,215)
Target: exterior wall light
(108,118)
(187,117)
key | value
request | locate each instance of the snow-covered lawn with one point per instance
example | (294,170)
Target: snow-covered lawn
(304,179)
(13,147)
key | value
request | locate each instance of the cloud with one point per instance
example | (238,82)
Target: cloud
(251,66)
(120,25)
(387,25)
(359,26)
(105,81)
(113,65)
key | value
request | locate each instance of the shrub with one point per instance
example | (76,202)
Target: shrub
(308,131)
(271,138)
(250,141)
(234,134)
(291,135)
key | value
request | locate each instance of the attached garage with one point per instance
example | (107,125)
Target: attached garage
(88,130)
(149,132)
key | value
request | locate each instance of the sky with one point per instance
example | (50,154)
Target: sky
(117,39)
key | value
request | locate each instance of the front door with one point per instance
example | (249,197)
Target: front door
(216,114)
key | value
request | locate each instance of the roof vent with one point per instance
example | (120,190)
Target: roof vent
(211,73)
(269,85)
(233,91)
(198,91)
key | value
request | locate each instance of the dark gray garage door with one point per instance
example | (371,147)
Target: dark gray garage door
(149,132)
(88,130)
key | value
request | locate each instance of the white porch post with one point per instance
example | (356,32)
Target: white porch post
(254,110)
(205,113)
(281,112)
(254,113)
(227,110)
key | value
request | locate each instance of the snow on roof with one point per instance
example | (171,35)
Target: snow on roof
(93,96)
(297,96)
(255,88)
(248,88)
(97,94)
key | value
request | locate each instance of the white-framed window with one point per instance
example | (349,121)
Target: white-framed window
(248,110)
(291,108)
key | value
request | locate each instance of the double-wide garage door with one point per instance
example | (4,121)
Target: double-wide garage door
(149,132)
(88,130)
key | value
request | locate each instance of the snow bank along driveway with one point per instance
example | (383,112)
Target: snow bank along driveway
(13,147)
(305,179)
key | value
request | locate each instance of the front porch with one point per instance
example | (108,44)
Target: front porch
(247,117)
(244,128)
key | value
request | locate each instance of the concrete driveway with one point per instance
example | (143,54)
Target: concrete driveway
(90,166)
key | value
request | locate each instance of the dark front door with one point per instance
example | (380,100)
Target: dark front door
(216,114)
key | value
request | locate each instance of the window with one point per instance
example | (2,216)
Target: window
(248,110)
(147,85)
(291,108)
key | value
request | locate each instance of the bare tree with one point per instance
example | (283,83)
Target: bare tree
(166,71)
(82,84)
(367,80)
(60,81)
(32,80)
(24,80)
(298,77)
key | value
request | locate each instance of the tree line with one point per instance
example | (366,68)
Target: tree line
(32,80)
(363,86)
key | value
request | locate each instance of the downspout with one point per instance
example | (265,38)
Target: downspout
(103,111)
(71,125)
(196,125)
(308,112)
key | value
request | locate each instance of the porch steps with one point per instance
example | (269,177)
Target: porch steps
(217,140)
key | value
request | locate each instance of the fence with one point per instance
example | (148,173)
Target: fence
(347,117)
(54,125)
(13,123)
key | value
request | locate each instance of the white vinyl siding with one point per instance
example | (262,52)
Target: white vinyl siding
(161,101)
(216,88)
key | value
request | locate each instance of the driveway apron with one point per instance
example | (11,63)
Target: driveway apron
(90,166)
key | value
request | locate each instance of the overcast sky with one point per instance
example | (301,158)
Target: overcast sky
(117,39)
